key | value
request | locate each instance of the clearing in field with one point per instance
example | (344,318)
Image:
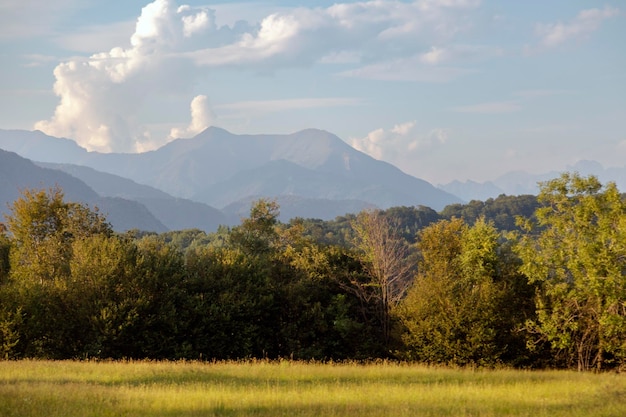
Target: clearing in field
(193,389)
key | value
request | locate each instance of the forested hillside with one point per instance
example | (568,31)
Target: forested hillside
(469,285)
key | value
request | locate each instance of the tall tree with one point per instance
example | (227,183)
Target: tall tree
(386,258)
(576,252)
(42,227)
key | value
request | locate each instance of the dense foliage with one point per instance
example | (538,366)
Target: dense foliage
(464,286)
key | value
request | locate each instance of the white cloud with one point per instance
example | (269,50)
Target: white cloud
(434,56)
(100,97)
(401,144)
(403,129)
(586,22)
(195,23)
(346,30)
(201,117)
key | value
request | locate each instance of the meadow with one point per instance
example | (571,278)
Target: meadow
(286,388)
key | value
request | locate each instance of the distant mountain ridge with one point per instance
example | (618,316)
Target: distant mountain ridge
(212,178)
(174,213)
(520,182)
(211,168)
(18,173)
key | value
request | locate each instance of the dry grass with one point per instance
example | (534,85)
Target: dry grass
(42,388)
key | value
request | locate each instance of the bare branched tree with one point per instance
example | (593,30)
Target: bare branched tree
(386,257)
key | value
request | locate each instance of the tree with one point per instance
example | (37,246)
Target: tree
(455,312)
(5,250)
(43,226)
(576,252)
(386,259)
(257,233)
(410,220)
(101,293)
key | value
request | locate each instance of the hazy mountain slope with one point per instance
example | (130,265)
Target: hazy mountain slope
(522,183)
(189,167)
(472,190)
(180,214)
(17,173)
(283,178)
(106,184)
(174,213)
(37,146)
(124,214)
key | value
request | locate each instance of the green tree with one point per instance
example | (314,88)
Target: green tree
(576,252)
(102,273)
(258,233)
(43,226)
(455,313)
(5,250)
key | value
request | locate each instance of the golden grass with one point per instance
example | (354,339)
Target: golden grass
(194,389)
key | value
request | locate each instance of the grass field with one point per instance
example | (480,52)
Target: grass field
(189,389)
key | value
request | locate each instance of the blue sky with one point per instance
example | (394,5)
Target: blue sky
(443,89)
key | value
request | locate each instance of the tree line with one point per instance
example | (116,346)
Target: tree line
(517,281)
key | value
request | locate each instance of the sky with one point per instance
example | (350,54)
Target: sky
(443,89)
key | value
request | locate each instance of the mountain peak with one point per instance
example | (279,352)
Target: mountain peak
(193,167)
(213,131)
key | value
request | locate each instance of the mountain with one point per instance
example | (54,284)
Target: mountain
(174,213)
(40,147)
(522,183)
(472,190)
(17,173)
(220,167)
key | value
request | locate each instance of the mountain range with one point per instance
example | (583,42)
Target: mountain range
(212,179)
(520,182)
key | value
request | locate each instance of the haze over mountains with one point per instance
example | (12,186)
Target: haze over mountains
(520,182)
(17,173)
(212,178)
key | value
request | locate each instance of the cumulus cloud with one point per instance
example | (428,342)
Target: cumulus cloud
(344,32)
(586,22)
(400,144)
(100,96)
(201,117)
